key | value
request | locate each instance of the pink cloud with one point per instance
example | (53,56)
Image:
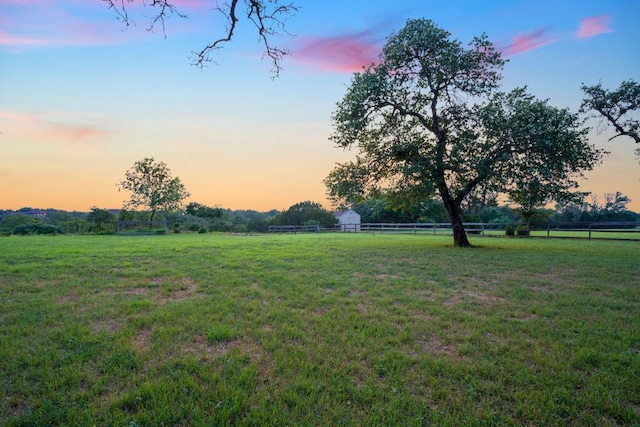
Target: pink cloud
(525,42)
(343,53)
(18,40)
(44,23)
(593,26)
(193,4)
(26,2)
(44,127)
(78,38)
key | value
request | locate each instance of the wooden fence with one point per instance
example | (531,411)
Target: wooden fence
(581,230)
(141,228)
(295,228)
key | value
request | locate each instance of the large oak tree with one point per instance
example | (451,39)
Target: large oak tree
(428,119)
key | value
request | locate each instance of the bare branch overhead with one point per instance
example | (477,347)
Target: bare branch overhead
(268,16)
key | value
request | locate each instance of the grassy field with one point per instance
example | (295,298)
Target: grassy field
(331,329)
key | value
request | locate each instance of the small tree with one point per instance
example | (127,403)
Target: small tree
(101,219)
(152,186)
(207,216)
(305,213)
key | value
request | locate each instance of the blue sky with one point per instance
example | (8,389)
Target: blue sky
(82,97)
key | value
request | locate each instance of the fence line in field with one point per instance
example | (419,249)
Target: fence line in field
(581,230)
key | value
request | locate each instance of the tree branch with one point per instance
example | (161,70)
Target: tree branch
(268,17)
(613,105)
(621,131)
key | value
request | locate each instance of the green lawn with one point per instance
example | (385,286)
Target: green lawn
(318,329)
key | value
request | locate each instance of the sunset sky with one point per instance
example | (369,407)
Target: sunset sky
(82,97)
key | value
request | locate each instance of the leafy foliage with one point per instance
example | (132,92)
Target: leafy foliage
(387,208)
(37,228)
(8,223)
(203,211)
(306,213)
(101,219)
(544,149)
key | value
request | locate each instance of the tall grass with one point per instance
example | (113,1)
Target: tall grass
(318,330)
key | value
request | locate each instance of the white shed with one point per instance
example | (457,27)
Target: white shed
(349,220)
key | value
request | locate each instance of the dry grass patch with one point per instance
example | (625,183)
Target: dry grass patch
(180,290)
(141,339)
(464,295)
(435,346)
(202,348)
(109,325)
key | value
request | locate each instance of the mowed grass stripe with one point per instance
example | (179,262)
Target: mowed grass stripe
(338,329)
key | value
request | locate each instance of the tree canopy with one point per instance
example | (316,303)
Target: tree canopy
(152,186)
(203,211)
(101,219)
(305,213)
(429,119)
(267,16)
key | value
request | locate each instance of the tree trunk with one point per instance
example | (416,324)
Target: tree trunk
(153,212)
(460,235)
(460,239)
(451,205)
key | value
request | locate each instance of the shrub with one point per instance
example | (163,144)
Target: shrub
(522,231)
(510,230)
(202,231)
(27,229)
(258,225)
(240,228)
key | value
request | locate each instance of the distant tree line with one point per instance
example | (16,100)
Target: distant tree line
(103,221)
(383,208)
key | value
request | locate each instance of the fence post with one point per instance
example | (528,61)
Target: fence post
(589,231)
(548,229)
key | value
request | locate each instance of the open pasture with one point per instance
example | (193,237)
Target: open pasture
(318,329)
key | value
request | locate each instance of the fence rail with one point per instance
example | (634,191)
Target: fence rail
(295,228)
(141,228)
(579,230)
